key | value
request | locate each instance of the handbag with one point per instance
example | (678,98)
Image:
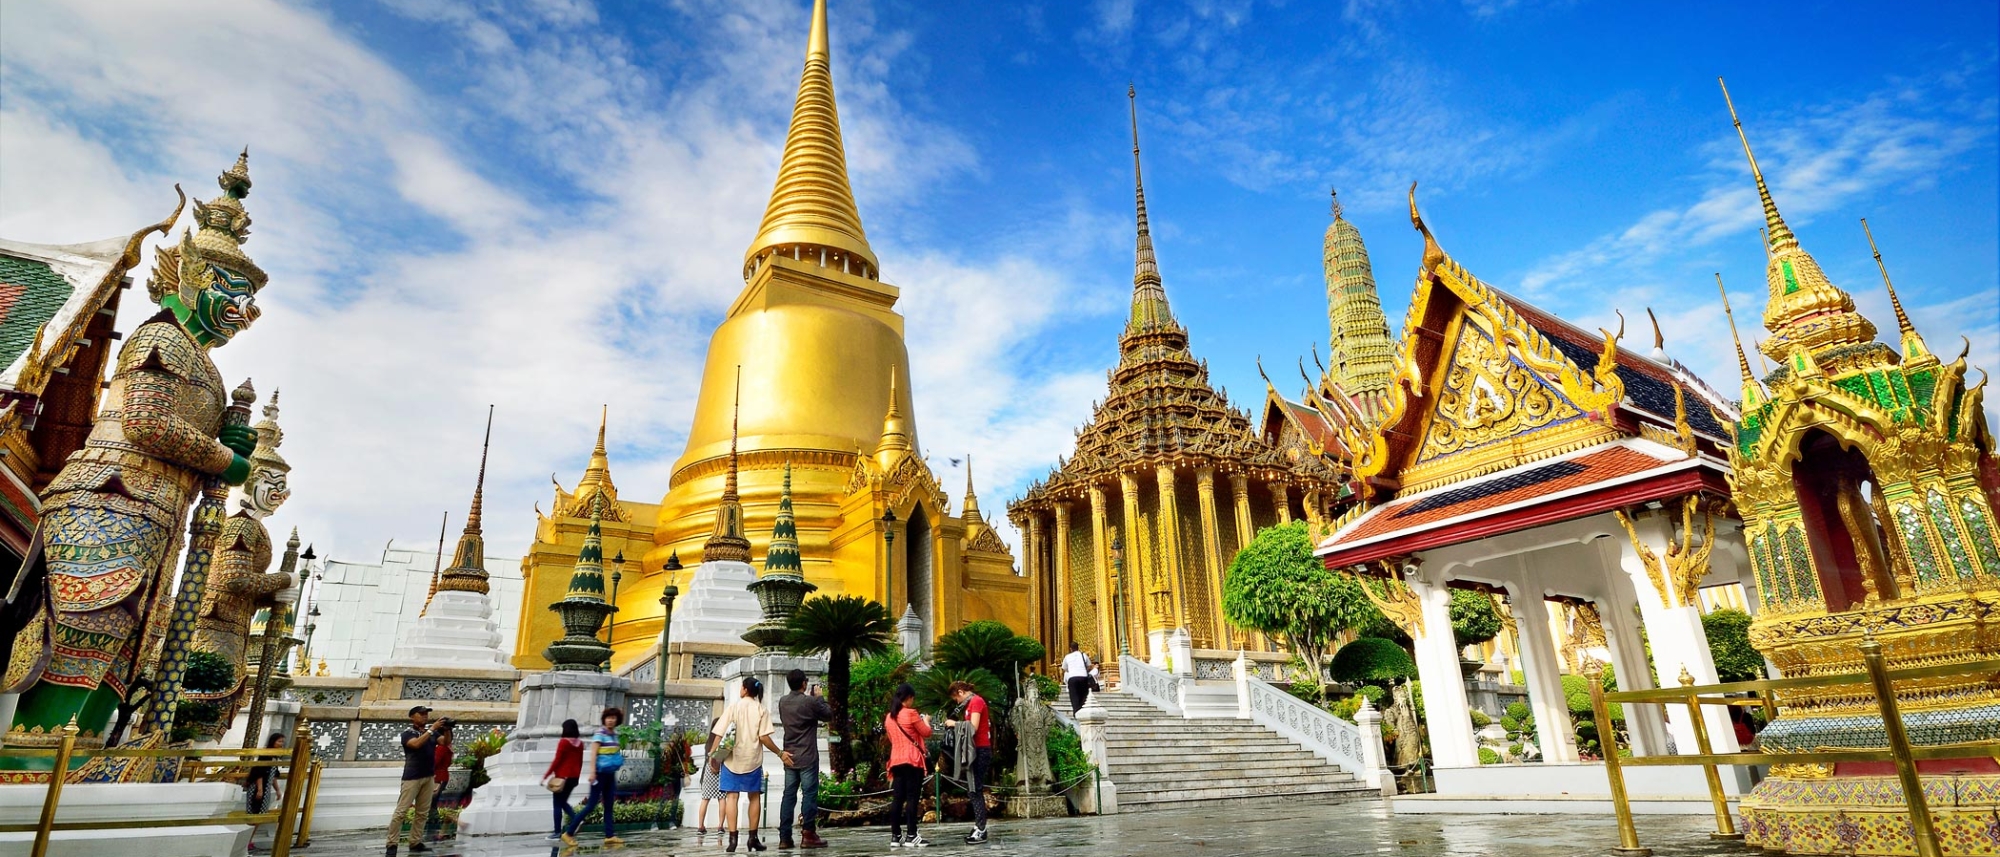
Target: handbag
(553,783)
(722,750)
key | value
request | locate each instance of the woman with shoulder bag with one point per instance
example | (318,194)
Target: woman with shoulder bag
(562,774)
(907,730)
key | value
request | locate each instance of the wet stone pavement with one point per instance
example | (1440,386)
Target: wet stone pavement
(1263,830)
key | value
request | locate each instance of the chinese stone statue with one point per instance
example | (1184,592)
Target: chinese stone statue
(238,586)
(101,558)
(1032,721)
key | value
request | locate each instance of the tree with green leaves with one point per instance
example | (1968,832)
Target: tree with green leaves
(842,626)
(991,646)
(1277,586)
(1474,618)
(1728,632)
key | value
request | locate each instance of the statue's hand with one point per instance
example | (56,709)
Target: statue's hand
(287,595)
(241,440)
(238,470)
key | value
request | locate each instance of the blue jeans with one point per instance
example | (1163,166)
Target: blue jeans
(799,780)
(602,790)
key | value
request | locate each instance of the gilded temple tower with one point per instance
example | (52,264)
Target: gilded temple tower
(1360,345)
(1866,480)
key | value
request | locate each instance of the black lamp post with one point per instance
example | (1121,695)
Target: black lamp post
(611,627)
(667,595)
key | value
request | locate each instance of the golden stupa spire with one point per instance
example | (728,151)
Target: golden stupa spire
(1149,298)
(467,571)
(1358,332)
(812,211)
(971,508)
(1806,312)
(728,542)
(1753,392)
(1913,345)
(895,430)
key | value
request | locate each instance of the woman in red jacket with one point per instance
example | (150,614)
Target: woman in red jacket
(566,767)
(907,730)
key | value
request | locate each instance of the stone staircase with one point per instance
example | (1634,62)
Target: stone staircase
(1162,761)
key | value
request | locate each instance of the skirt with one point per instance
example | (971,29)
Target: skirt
(711,789)
(735,782)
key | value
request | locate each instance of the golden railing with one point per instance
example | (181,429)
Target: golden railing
(293,817)
(1877,675)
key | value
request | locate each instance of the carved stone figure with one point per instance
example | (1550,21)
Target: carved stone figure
(112,519)
(1032,721)
(239,584)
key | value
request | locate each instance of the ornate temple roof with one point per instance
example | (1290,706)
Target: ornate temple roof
(596,482)
(812,205)
(1161,408)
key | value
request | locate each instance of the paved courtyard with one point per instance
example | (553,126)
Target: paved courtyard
(1266,830)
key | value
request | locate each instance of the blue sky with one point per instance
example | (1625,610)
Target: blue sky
(544,204)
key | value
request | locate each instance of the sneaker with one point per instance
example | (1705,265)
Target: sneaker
(553,837)
(895,841)
(613,840)
(977,836)
(389,851)
(418,848)
(916,841)
(569,840)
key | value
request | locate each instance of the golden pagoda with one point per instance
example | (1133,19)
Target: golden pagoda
(1128,530)
(625,529)
(816,345)
(1867,482)
(1361,350)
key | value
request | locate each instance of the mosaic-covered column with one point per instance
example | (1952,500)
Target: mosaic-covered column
(1212,549)
(1136,571)
(1170,541)
(1100,545)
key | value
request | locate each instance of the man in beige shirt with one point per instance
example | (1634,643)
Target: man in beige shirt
(745,728)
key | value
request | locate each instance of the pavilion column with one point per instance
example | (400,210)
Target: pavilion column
(1281,497)
(1169,555)
(1542,674)
(1139,616)
(1107,631)
(1212,550)
(1452,742)
(1674,631)
(1058,568)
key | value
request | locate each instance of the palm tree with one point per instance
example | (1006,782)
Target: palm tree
(842,626)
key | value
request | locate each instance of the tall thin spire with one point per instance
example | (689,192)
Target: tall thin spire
(1149,298)
(1753,392)
(467,572)
(728,543)
(895,429)
(437,565)
(812,207)
(971,507)
(1777,234)
(1357,331)
(472,520)
(596,481)
(1913,345)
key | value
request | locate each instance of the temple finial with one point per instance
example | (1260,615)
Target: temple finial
(603,415)
(1149,298)
(971,498)
(1433,254)
(472,519)
(812,214)
(1913,345)
(1742,360)
(1659,338)
(735,417)
(235,181)
(1778,234)
(728,541)
(895,429)
(1335,192)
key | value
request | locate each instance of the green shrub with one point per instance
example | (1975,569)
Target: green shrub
(1067,761)
(208,672)
(1346,709)
(1728,634)
(836,794)
(1480,720)
(934,696)
(1474,618)
(987,645)
(1375,694)
(1576,694)
(1515,750)
(1488,757)
(1372,660)
(1048,687)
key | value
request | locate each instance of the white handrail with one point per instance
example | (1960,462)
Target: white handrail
(1326,735)
(1157,686)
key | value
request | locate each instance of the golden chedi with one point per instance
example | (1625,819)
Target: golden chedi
(1867,482)
(816,345)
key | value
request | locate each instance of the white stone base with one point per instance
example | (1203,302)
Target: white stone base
(1584,779)
(1533,804)
(280,716)
(456,631)
(357,797)
(22,804)
(718,606)
(515,801)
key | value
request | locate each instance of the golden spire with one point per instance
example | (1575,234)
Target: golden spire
(1149,298)
(1753,393)
(596,479)
(1806,312)
(728,542)
(895,430)
(971,508)
(812,207)
(1358,332)
(472,521)
(1913,345)
(467,572)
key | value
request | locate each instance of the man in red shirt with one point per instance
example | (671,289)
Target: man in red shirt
(982,759)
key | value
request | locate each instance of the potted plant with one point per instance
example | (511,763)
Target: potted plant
(637,743)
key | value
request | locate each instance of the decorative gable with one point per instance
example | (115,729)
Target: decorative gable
(1487,400)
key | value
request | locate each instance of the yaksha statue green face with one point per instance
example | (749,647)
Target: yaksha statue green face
(99,567)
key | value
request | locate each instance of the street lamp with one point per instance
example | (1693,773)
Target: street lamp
(305,654)
(610,628)
(888,547)
(667,595)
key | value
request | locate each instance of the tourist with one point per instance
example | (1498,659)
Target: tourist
(1076,675)
(562,774)
(602,778)
(982,754)
(745,730)
(260,787)
(711,785)
(907,730)
(419,760)
(802,713)
(441,774)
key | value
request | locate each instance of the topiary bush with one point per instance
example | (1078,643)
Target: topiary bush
(1372,660)
(1480,719)
(1728,632)
(1488,757)
(1474,619)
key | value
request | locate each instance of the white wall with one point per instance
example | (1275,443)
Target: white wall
(365,606)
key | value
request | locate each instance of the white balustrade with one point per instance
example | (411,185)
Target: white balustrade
(1157,686)
(1342,743)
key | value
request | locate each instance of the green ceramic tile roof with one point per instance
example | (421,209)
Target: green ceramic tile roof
(30,295)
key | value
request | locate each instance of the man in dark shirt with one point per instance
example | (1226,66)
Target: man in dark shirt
(802,713)
(419,764)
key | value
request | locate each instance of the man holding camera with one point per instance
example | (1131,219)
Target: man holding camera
(802,713)
(419,766)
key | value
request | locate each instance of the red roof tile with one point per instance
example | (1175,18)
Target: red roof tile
(1497,490)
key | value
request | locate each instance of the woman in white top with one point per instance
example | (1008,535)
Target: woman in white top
(1076,674)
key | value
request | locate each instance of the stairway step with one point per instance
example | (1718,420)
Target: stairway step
(1177,744)
(1202,761)
(1263,790)
(1149,804)
(1297,774)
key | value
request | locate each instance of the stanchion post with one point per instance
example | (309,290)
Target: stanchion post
(1921,829)
(297,774)
(304,839)
(1607,740)
(64,747)
(1725,824)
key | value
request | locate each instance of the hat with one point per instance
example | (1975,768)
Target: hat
(420,709)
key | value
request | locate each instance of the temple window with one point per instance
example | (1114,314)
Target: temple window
(1835,486)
